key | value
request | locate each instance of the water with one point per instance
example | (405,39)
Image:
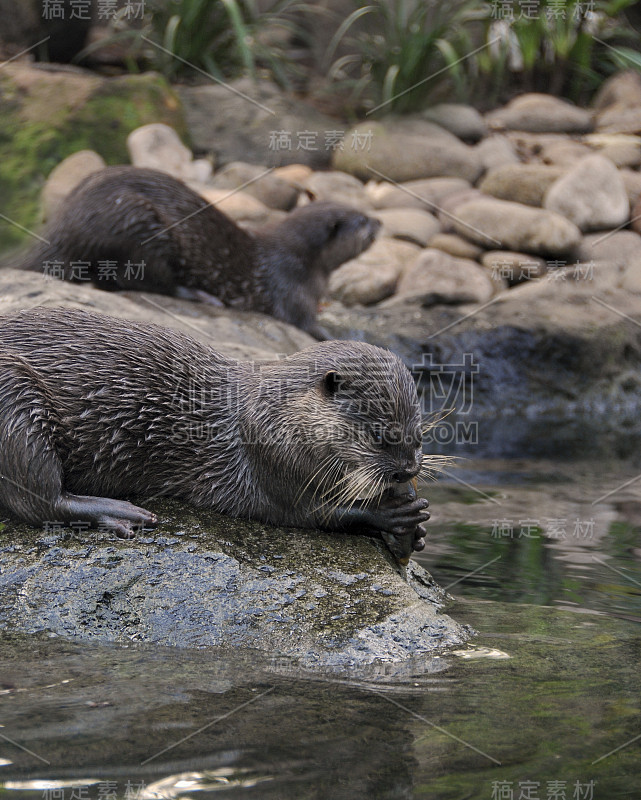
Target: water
(542,556)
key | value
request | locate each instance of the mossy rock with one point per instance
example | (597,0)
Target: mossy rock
(48,115)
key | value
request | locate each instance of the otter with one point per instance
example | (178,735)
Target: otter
(94,409)
(133,228)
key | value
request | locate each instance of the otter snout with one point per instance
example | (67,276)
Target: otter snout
(407,467)
(403,476)
(370,230)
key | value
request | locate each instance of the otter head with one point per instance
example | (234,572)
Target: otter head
(330,234)
(368,425)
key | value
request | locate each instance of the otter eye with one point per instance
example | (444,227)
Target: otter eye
(332,382)
(335,229)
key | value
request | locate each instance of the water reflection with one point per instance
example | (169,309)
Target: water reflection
(541,698)
(516,532)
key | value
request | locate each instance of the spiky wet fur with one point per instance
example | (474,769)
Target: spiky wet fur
(113,408)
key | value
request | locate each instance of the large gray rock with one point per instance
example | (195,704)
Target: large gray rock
(66,176)
(372,276)
(239,335)
(271,190)
(401,152)
(461,120)
(410,224)
(540,113)
(511,226)
(520,183)
(245,121)
(202,579)
(558,348)
(425,193)
(592,195)
(439,278)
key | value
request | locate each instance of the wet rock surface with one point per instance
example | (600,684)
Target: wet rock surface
(202,579)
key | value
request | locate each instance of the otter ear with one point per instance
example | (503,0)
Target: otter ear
(332,381)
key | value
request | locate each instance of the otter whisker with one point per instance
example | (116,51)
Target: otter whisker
(334,499)
(337,494)
(341,489)
(332,477)
(358,481)
(324,463)
(436,418)
(433,465)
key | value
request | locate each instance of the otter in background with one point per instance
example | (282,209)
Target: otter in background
(142,229)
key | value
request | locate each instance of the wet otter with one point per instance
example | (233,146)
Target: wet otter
(132,228)
(94,408)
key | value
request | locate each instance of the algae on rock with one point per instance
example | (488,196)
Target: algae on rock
(50,114)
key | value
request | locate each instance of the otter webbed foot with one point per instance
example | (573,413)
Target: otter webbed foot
(123,518)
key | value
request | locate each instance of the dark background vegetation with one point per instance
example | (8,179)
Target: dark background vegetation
(352,57)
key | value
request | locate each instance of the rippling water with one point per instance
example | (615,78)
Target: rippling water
(542,556)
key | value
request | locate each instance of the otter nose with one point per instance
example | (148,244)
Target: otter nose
(404,475)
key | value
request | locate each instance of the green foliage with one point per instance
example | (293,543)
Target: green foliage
(220,37)
(37,131)
(401,51)
(212,36)
(563,48)
(403,54)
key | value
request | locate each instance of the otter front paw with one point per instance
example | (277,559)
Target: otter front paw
(402,546)
(400,515)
